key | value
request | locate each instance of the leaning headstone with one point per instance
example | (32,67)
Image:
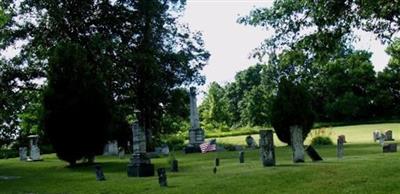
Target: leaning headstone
(391,147)
(297,144)
(34,154)
(376,135)
(140,165)
(340,148)
(315,157)
(267,149)
(23,153)
(196,134)
(99,173)
(251,143)
(241,157)
(162,177)
(174,166)
(389,135)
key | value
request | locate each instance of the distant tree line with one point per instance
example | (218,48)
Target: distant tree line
(345,89)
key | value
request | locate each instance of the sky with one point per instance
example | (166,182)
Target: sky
(230,43)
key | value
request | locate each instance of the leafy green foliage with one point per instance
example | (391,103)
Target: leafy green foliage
(76,106)
(321,140)
(291,107)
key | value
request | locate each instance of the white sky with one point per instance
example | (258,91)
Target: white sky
(230,43)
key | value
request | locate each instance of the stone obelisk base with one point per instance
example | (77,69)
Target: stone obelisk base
(196,137)
(140,166)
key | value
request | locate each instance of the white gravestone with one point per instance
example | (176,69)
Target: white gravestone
(34,154)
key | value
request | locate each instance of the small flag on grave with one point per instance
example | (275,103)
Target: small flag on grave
(209,146)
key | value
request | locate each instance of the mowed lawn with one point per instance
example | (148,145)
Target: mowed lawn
(364,169)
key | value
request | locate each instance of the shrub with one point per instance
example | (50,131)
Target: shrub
(321,140)
(291,106)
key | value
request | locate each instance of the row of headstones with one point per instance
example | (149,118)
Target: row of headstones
(382,138)
(267,148)
(34,152)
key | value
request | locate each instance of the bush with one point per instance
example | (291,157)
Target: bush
(175,142)
(321,140)
(8,153)
(291,107)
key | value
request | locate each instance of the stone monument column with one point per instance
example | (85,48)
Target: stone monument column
(196,134)
(140,165)
(296,135)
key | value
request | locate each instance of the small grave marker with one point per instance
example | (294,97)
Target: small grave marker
(162,177)
(313,154)
(99,173)
(391,147)
(241,157)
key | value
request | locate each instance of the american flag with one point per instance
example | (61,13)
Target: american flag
(209,146)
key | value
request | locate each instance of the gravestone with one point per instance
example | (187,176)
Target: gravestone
(251,143)
(162,177)
(23,153)
(391,147)
(315,157)
(165,150)
(34,154)
(216,161)
(99,173)
(343,138)
(121,152)
(389,135)
(376,135)
(241,157)
(215,170)
(111,148)
(196,134)
(140,165)
(382,139)
(267,149)
(340,148)
(174,166)
(296,134)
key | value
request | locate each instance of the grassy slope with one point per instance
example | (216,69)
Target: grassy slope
(365,169)
(355,134)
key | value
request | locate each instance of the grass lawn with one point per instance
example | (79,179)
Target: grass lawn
(365,169)
(355,134)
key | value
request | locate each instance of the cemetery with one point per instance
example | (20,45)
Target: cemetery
(362,168)
(196,96)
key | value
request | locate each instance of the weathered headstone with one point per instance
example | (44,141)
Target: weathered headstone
(121,152)
(162,177)
(343,138)
(267,149)
(34,154)
(215,170)
(296,134)
(111,148)
(23,153)
(251,143)
(174,166)
(99,173)
(340,148)
(389,135)
(140,165)
(382,139)
(315,157)
(165,150)
(241,157)
(391,147)
(196,134)
(216,161)
(376,135)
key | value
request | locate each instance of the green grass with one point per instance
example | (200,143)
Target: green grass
(365,169)
(355,134)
